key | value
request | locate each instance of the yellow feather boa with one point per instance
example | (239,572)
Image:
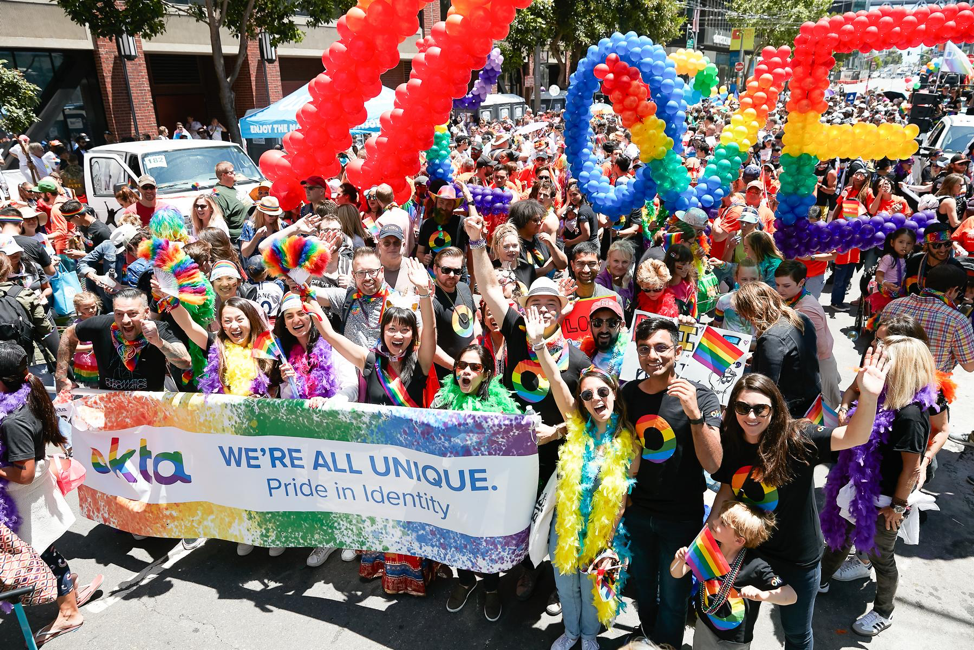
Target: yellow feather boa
(240,369)
(606,501)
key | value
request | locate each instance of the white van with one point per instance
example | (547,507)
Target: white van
(182,169)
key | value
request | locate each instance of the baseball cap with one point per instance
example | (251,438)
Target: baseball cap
(122,235)
(959,158)
(45,185)
(145,179)
(316,181)
(391,230)
(755,185)
(752,170)
(9,245)
(608,303)
(749,215)
(421,180)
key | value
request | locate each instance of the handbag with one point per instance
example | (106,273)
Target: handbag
(22,566)
(65,285)
(544,509)
(68,473)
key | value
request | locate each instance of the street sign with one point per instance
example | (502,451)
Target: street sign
(739,66)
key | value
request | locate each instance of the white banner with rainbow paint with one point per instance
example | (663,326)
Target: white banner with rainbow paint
(454,487)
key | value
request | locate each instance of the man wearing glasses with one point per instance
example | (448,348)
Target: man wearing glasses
(456,322)
(147,204)
(585,268)
(678,423)
(234,210)
(937,250)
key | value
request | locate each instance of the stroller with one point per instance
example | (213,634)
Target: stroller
(867,286)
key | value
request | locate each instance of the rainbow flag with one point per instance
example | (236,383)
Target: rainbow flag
(850,209)
(670,238)
(822,414)
(716,353)
(267,347)
(704,557)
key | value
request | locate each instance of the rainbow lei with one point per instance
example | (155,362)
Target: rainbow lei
(237,368)
(128,351)
(315,370)
(9,403)
(586,515)
(613,358)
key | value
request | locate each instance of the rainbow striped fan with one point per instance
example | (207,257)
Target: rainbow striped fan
(297,256)
(177,274)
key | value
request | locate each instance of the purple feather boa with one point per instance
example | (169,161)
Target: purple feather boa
(211,383)
(9,403)
(861,466)
(321,376)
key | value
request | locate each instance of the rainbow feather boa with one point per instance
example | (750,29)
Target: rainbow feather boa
(168,256)
(297,252)
(586,516)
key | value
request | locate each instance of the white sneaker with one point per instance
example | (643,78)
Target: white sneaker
(852,569)
(191,543)
(275,550)
(138,538)
(966,439)
(349,555)
(319,555)
(244,549)
(564,642)
(871,623)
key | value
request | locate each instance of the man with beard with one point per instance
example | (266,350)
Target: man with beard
(442,227)
(357,310)
(456,323)
(937,250)
(585,267)
(606,342)
(678,422)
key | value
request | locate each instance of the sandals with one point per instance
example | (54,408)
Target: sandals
(85,593)
(47,634)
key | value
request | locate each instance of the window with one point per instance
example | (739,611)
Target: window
(105,173)
(190,169)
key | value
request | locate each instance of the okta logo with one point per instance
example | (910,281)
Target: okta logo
(150,467)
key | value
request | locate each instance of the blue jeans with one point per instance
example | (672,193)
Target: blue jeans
(796,620)
(815,285)
(840,282)
(578,611)
(661,598)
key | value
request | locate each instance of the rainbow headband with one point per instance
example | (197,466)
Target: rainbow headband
(937,236)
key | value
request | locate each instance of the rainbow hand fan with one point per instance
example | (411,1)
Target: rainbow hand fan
(298,257)
(177,274)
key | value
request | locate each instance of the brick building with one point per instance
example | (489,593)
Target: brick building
(82,78)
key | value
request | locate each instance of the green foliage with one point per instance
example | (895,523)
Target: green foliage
(18,97)
(108,19)
(775,22)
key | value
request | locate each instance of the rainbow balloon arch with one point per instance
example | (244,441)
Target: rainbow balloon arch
(647,91)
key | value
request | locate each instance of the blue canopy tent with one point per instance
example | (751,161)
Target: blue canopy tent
(278,119)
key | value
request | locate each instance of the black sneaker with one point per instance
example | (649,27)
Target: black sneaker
(492,606)
(970,479)
(459,597)
(554,605)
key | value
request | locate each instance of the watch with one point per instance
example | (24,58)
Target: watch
(900,510)
(699,420)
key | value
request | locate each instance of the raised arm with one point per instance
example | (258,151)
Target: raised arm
(534,328)
(489,288)
(417,275)
(196,332)
(65,352)
(871,379)
(303,226)
(355,353)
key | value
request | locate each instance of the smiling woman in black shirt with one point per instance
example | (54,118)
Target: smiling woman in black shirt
(769,459)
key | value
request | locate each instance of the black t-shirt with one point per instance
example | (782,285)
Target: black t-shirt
(150,371)
(521,376)
(23,434)
(731,622)
(789,357)
(434,237)
(377,394)
(670,481)
(911,428)
(33,250)
(917,267)
(797,538)
(455,315)
(534,254)
(573,225)
(95,234)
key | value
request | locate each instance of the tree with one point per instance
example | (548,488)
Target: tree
(244,19)
(18,97)
(568,27)
(775,22)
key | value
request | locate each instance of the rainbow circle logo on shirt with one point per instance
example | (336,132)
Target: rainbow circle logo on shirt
(752,491)
(461,315)
(529,381)
(440,235)
(656,450)
(734,617)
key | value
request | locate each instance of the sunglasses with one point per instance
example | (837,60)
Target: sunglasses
(938,245)
(611,322)
(476,367)
(200,206)
(448,271)
(759,410)
(588,395)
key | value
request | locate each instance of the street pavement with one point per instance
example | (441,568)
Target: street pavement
(157,595)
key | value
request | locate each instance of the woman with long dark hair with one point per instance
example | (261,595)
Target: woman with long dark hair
(596,465)
(769,461)
(31,504)
(475,387)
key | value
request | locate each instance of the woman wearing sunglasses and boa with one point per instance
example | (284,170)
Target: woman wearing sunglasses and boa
(596,466)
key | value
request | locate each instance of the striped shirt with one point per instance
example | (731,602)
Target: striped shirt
(950,333)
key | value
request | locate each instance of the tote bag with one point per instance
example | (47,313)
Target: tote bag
(65,286)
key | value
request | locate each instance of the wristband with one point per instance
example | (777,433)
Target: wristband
(537,346)
(699,420)
(478,243)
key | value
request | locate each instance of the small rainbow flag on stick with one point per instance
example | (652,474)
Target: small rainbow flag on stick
(822,414)
(850,209)
(670,238)
(716,353)
(266,346)
(704,557)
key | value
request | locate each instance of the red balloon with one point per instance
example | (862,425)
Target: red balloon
(601,70)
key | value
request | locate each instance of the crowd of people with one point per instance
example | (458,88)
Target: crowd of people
(430,304)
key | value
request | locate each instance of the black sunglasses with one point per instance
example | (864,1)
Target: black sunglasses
(599,322)
(760,410)
(476,367)
(449,271)
(938,245)
(588,395)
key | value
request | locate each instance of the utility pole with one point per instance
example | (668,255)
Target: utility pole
(536,98)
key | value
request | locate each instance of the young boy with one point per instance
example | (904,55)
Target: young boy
(727,621)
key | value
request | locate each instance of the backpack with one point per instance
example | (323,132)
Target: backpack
(15,322)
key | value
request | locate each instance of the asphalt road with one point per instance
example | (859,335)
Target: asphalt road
(157,595)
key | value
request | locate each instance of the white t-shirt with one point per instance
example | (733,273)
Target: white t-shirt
(268,296)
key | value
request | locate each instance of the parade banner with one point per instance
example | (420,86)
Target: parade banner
(454,487)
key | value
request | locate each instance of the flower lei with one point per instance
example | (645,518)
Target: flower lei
(10,402)
(614,356)
(861,467)
(315,371)
(212,380)
(585,514)
(128,351)
(498,399)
